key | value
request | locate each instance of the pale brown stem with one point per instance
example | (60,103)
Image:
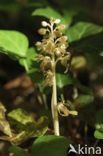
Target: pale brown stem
(54,105)
(54,95)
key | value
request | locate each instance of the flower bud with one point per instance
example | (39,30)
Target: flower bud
(65,38)
(61,27)
(63,46)
(57,21)
(42,31)
(38,43)
(43,48)
(51,20)
(44,23)
(58,53)
(58,33)
(47,58)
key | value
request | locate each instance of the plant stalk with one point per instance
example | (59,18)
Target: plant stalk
(54,105)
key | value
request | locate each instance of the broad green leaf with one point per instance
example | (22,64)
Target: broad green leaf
(31,56)
(98,134)
(83,29)
(17,151)
(50,145)
(46,12)
(13,43)
(86,37)
(67,17)
(4,124)
(49,12)
(20,115)
(63,80)
(31,130)
(5,127)
(25,126)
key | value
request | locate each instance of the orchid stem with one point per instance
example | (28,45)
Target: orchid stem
(54,107)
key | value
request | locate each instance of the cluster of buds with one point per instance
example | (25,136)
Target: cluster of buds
(53,48)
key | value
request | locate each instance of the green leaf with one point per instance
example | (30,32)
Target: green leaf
(31,56)
(4,124)
(83,29)
(13,43)
(46,12)
(20,115)
(31,130)
(86,37)
(49,12)
(67,17)
(98,134)
(25,126)
(63,80)
(50,145)
(17,151)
